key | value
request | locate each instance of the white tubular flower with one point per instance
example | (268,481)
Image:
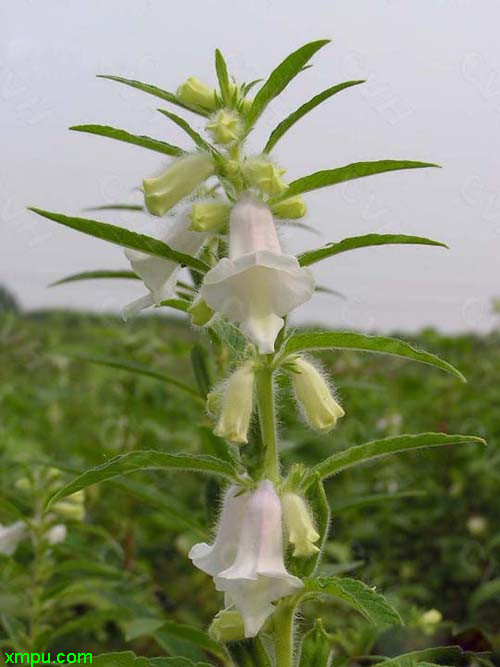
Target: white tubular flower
(182,176)
(10,536)
(213,558)
(258,576)
(258,284)
(237,405)
(300,527)
(159,274)
(314,396)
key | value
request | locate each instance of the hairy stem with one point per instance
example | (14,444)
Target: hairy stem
(267,419)
(283,633)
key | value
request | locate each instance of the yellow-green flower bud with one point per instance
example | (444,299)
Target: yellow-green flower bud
(225,126)
(290,209)
(477,525)
(237,405)
(200,312)
(72,507)
(263,174)
(431,617)
(246,105)
(299,524)
(209,216)
(314,396)
(183,176)
(194,93)
(227,626)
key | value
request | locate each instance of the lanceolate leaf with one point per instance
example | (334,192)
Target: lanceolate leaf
(376,449)
(136,139)
(281,77)
(116,207)
(125,464)
(223,77)
(124,237)
(346,340)
(94,275)
(153,90)
(322,179)
(359,596)
(440,655)
(132,367)
(354,242)
(176,304)
(184,125)
(290,121)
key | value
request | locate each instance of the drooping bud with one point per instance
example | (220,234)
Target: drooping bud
(237,405)
(299,524)
(200,312)
(72,507)
(209,216)
(263,174)
(290,209)
(194,93)
(227,626)
(314,396)
(185,174)
(225,126)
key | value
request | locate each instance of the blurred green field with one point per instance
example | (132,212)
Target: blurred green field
(422,527)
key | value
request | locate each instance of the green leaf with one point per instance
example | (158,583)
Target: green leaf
(133,367)
(281,77)
(93,275)
(125,464)
(124,238)
(375,498)
(200,361)
(119,659)
(290,121)
(355,242)
(359,596)
(115,207)
(441,655)
(486,591)
(322,179)
(176,304)
(223,77)
(346,340)
(321,289)
(316,647)
(197,138)
(376,449)
(193,636)
(173,511)
(135,139)
(153,90)
(320,510)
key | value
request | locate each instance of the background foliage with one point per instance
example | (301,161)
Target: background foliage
(422,527)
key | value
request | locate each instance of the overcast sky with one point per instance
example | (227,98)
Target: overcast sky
(433,94)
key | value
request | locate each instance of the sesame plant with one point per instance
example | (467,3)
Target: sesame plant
(219,211)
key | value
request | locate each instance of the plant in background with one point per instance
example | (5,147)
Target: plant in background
(228,205)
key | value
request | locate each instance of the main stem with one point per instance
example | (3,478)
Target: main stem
(267,419)
(284,615)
